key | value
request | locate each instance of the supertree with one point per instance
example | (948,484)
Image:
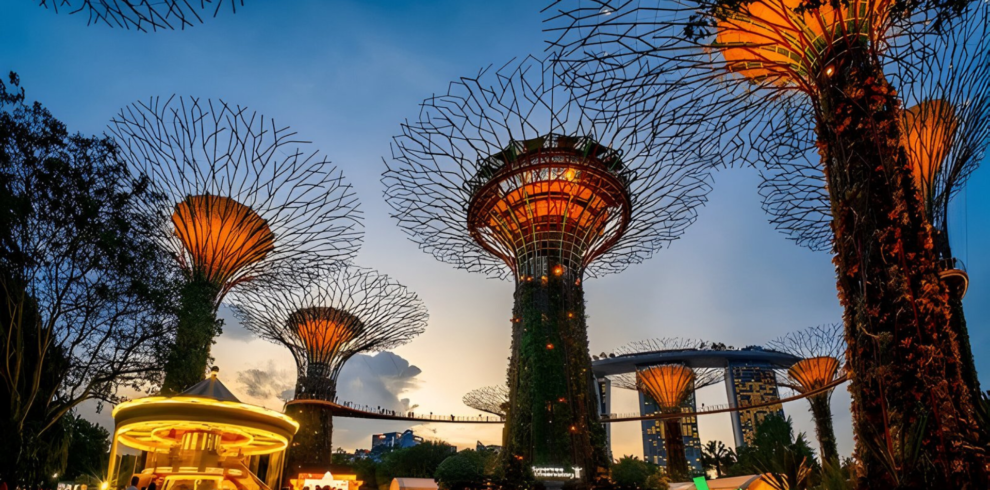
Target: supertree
(251,203)
(945,132)
(508,175)
(758,68)
(669,385)
(144,15)
(325,322)
(488,399)
(821,349)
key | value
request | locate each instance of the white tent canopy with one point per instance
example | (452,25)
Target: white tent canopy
(413,484)
(749,482)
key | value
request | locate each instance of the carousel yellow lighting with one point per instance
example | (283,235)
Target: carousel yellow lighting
(668,385)
(205,432)
(221,236)
(814,372)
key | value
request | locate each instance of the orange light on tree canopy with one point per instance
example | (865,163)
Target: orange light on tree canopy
(814,372)
(768,41)
(555,202)
(221,237)
(668,385)
(325,331)
(928,129)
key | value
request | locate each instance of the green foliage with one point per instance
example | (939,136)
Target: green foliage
(716,456)
(419,461)
(462,471)
(89,451)
(87,291)
(631,473)
(775,451)
(188,355)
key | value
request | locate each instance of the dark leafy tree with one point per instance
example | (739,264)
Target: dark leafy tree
(246,201)
(86,289)
(632,473)
(324,321)
(419,461)
(740,77)
(144,15)
(776,450)
(462,471)
(89,451)
(507,174)
(716,456)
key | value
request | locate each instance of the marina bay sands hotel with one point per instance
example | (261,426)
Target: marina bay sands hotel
(748,377)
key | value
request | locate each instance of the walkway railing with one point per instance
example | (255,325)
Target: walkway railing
(353,410)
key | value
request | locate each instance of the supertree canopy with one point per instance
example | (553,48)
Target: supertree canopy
(144,15)
(325,322)
(821,350)
(669,386)
(488,399)
(251,203)
(509,175)
(945,133)
(766,81)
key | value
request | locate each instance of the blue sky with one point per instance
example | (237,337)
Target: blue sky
(344,74)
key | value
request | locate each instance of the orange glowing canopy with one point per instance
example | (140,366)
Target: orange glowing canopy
(814,372)
(668,385)
(768,41)
(554,197)
(928,130)
(324,330)
(221,236)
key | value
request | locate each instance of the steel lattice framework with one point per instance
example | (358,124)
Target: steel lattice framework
(640,193)
(953,68)
(225,167)
(823,350)
(348,310)
(488,399)
(660,344)
(324,322)
(144,15)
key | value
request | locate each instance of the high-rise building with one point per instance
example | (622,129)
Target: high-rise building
(654,450)
(749,383)
(394,440)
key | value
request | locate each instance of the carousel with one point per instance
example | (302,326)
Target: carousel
(201,439)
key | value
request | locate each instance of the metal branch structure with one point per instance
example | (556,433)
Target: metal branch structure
(324,322)
(144,15)
(661,344)
(489,399)
(507,174)
(669,386)
(252,202)
(822,349)
(765,81)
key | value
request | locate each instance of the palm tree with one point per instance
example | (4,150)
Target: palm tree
(716,455)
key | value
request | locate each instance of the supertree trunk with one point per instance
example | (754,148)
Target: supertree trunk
(966,361)
(822,413)
(677,465)
(906,384)
(311,450)
(196,328)
(553,420)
